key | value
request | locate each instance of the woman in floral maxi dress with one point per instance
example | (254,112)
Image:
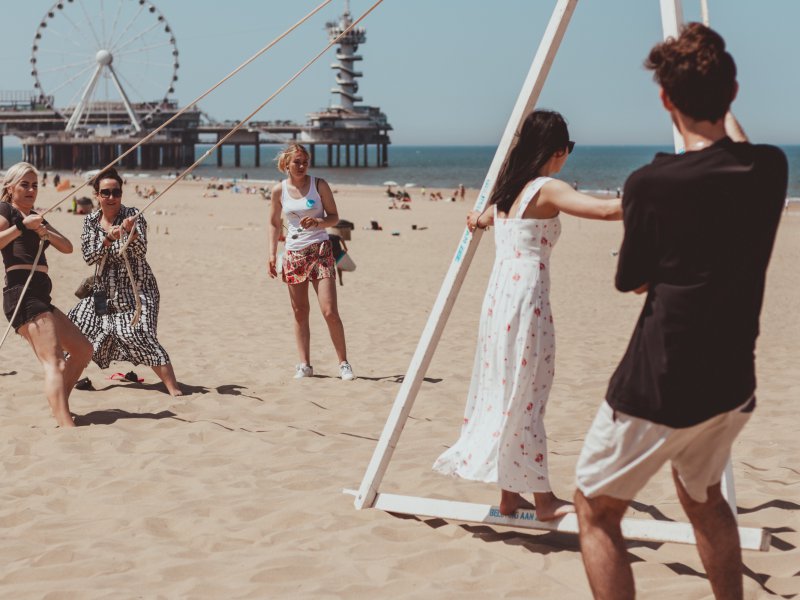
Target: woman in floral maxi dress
(503,438)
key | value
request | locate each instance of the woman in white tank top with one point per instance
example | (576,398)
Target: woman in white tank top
(308,206)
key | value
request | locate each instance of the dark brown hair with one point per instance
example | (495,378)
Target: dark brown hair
(696,72)
(543,133)
(110,173)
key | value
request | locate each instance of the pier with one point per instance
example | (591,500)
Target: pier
(93,132)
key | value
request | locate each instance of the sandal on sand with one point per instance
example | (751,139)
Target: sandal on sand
(129,376)
(84,384)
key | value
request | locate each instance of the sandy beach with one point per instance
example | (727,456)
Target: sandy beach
(235,490)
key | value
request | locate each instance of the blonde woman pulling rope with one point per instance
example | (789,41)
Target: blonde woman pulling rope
(24,235)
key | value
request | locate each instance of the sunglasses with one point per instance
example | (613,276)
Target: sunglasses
(108,192)
(570,146)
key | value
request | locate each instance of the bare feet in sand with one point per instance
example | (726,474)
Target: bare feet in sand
(548,506)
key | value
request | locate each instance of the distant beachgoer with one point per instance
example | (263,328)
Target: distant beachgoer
(699,230)
(48,330)
(461,191)
(503,437)
(308,206)
(106,317)
(56,180)
(575,185)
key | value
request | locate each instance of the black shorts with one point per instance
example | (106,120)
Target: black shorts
(36,300)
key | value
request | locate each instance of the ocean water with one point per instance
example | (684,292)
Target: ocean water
(595,168)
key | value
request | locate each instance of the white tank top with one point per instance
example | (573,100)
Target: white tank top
(295,209)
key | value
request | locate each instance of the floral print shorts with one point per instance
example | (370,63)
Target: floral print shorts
(312,262)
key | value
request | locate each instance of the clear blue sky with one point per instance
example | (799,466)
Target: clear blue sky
(449,71)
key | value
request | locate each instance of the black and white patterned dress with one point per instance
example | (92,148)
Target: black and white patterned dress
(112,335)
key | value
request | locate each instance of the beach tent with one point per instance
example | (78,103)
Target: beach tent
(368,495)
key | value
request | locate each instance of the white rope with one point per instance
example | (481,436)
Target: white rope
(195,101)
(241,123)
(24,289)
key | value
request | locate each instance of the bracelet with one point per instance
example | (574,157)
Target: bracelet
(20,225)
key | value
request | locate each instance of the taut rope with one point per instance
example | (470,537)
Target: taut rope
(252,114)
(195,101)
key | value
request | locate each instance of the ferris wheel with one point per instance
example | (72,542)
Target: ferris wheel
(104,62)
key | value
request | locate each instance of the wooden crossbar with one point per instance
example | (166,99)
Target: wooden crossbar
(645,530)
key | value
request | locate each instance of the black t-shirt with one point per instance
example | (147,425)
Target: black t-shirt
(699,230)
(23,249)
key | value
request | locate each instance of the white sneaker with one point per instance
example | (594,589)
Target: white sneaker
(346,371)
(303,370)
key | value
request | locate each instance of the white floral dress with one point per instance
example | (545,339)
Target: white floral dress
(502,437)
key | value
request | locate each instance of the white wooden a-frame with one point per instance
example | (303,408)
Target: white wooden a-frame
(368,495)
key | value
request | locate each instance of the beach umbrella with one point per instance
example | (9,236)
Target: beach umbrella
(390,183)
(410,185)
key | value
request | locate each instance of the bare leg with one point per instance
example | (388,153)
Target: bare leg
(717,540)
(41,335)
(511,502)
(339,273)
(326,294)
(298,293)
(603,548)
(75,343)
(167,374)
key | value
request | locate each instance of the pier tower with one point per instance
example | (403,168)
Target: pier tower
(346,124)
(346,55)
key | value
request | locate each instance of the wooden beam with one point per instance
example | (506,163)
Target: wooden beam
(646,530)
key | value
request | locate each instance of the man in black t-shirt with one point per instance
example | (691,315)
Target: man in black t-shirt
(699,231)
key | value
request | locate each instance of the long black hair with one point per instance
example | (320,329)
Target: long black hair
(543,133)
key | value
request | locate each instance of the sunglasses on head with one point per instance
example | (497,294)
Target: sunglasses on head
(108,192)
(570,146)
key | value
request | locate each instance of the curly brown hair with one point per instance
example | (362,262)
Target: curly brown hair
(697,73)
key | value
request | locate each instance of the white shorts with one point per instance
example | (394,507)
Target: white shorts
(621,453)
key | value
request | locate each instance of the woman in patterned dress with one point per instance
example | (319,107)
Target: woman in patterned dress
(126,328)
(503,438)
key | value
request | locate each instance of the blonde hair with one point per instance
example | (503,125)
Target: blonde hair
(285,157)
(13,176)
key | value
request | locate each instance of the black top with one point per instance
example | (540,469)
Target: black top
(23,249)
(699,230)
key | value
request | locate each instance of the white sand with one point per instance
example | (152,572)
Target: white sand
(235,490)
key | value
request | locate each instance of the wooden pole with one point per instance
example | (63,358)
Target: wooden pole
(426,346)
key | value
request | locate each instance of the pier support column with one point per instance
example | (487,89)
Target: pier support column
(355,147)
(258,152)
(313,155)
(330,155)
(347,154)
(237,155)
(338,155)
(366,155)
(385,155)
(219,153)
